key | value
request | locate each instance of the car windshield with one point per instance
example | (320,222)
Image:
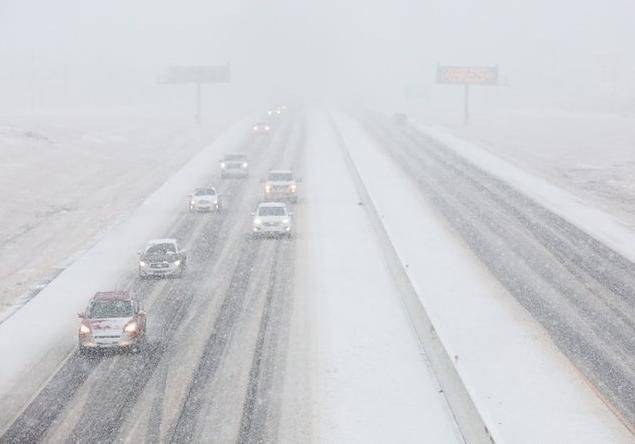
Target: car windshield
(161,249)
(235,157)
(272,211)
(110,309)
(261,124)
(205,192)
(281,177)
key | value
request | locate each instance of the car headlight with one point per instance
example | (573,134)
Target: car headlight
(177,262)
(286,221)
(255,128)
(267,188)
(257,221)
(84,329)
(131,327)
(223,164)
(245,165)
(143,264)
(266,128)
(292,188)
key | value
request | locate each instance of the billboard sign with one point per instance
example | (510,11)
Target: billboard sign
(198,74)
(467,75)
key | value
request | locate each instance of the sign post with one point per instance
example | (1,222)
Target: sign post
(198,75)
(466,76)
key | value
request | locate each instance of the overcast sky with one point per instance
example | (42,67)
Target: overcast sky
(74,52)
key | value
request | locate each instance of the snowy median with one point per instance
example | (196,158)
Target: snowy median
(37,338)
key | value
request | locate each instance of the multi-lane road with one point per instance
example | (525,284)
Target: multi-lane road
(213,370)
(208,372)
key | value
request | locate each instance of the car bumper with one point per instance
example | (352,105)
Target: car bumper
(108,342)
(150,271)
(280,196)
(279,229)
(205,207)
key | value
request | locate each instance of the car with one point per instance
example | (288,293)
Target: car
(205,199)
(112,320)
(162,257)
(272,218)
(235,164)
(281,185)
(261,128)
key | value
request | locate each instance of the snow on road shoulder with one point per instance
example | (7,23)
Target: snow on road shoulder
(599,224)
(46,326)
(525,389)
(370,381)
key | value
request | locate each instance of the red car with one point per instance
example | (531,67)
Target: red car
(113,320)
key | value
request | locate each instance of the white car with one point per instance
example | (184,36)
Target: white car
(261,128)
(205,199)
(272,218)
(162,257)
(281,185)
(234,164)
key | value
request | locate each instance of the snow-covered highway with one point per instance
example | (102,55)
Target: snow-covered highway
(310,339)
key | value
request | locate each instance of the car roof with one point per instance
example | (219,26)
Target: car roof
(272,204)
(204,188)
(235,154)
(161,241)
(115,295)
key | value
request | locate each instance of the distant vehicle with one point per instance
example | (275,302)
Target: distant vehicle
(400,119)
(205,199)
(275,111)
(272,218)
(281,185)
(235,164)
(162,257)
(113,319)
(261,128)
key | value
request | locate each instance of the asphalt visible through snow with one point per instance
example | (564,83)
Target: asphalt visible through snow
(582,292)
(221,322)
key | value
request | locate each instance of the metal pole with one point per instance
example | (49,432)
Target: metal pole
(198,102)
(466,110)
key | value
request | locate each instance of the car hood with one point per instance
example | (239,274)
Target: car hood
(279,182)
(206,198)
(159,257)
(272,218)
(108,325)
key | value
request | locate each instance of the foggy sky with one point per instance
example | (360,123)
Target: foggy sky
(109,53)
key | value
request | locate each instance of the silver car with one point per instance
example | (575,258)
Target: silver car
(272,218)
(162,257)
(281,185)
(235,165)
(205,199)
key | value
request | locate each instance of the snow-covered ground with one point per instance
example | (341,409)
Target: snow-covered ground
(590,155)
(66,178)
(525,389)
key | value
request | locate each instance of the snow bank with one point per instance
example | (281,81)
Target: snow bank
(46,326)
(599,224)
(525,389)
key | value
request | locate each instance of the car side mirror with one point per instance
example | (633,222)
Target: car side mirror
(183,252)
(141,313)
(81,315)
(253,213)
(290,214)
